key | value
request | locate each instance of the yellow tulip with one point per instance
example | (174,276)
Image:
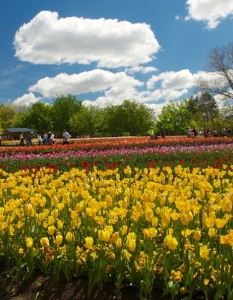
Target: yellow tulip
(44,242)
(89,242)
(59,239)
(212,232)
(124,229)
(69,236)
(51,229)
(197,235)
(204,252)
(118,243)
(132,245)
(170,242)
(59,224)
(184,219)
(220,223)
(29,242)
(21,250)
(104,236)
(115,236)
(51,220)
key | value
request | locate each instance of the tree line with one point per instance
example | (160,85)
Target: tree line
(129,118)
(68,112)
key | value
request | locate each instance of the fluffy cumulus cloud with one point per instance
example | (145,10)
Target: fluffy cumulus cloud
(115,87)
(26,100)
(209,11)
(172,80)
(85,82)
(48,39)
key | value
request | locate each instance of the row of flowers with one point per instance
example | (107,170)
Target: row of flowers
(117,143)
(195,156)
(143,225)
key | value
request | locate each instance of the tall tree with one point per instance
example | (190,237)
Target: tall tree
(62,110)
(111,123)
(37,117)
(175,118)
(87,121)
(8,116)
(131,117)
(208,108)
(220,65)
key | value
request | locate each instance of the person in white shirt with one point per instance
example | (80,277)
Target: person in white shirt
(39,139)
(66,137)
(52,137)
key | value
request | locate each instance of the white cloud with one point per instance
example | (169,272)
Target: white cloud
(116,87)
(172,80)
(212,79)
(177,18)
(209,11)
(143,70)
(46,39)
(92,81)
(26,100)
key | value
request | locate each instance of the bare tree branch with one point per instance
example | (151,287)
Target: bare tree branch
(218,79)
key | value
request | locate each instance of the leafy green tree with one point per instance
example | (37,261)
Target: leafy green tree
(37,117)
(175,118)
(8,116)
(129,118)
(87,121)
(62,110)
(111,123)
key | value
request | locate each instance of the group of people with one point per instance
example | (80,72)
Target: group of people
(214,133)
(27,138)
(46,139)
(153,136)
(192,132)
(226,132)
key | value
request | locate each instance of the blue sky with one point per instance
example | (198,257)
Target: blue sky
(107,51)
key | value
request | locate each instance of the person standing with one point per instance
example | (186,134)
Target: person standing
(53,137)
(151,133)
(21,137)
(66,137)
(49,138)
(163,133)
(44,141)
(215,133)
(39,138)
(224,132)
(28,139)
(194,132)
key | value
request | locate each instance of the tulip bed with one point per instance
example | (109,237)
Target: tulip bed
(153,216)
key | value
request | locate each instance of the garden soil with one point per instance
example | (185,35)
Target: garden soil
(36,288)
